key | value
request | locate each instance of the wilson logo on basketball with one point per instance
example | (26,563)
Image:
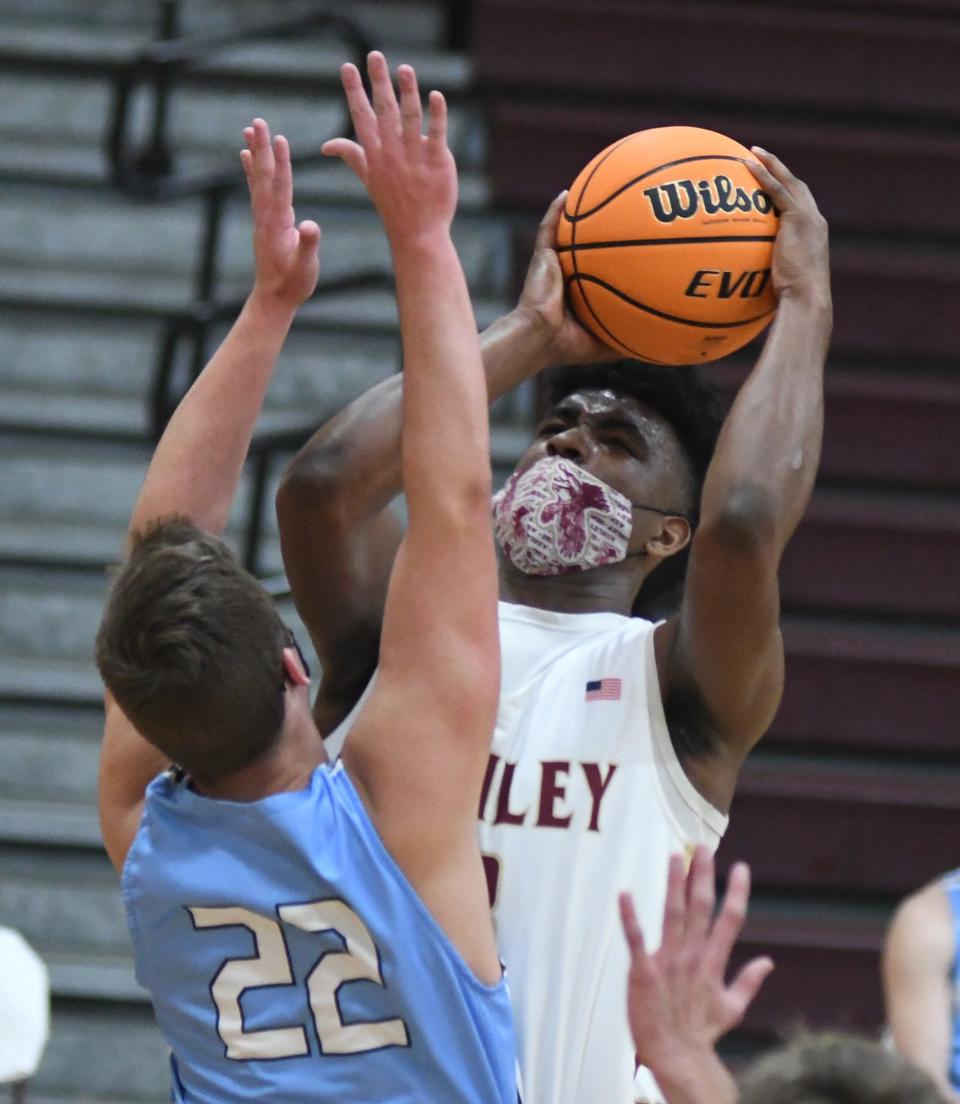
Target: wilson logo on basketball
(684,198)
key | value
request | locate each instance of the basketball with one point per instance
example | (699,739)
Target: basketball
(665,242)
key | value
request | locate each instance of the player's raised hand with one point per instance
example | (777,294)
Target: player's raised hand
(411,176)
(677,1002)
(543,300)
(286,258)
(801,254)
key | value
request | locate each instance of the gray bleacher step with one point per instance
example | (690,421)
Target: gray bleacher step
(87,482)
(312,56)
(46,765)
(67,904)
(82,235)
(86,359)
(88,414)
(93,977)
(71,543)
(410,22)
(104,292)
(46,158)
(205,121)
(49,682)
(53,543)
(47,633)
(95,356)
(103,1052)
(82,412)
(53,720)
(53,823)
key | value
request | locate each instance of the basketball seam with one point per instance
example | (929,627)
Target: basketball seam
(663,314)
(636,180)
(725,239)
(573,257)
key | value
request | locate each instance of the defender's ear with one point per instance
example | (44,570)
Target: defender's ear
(675,534)
(293,667)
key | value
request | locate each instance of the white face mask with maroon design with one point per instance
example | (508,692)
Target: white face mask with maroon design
(556,518)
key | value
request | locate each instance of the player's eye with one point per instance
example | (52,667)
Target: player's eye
(621,444)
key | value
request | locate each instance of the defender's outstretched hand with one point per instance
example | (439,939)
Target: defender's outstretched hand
(801,255)
(287,264)
(411,176)
(543,300)
(677,1002)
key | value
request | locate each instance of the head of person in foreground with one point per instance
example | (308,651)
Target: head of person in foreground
(193,650)
(836,1069)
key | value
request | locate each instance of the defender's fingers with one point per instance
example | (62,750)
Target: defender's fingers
(384,98)
(309,236)
(283,171)
(674,909)
(246,160)
(411,111)
(437,124)
(361,113)
(631,929)
(348,152)
(547,232)
(263,159)
(729,921)
(748,981)
(700,894)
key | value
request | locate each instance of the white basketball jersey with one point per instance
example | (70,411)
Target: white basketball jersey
(583,797)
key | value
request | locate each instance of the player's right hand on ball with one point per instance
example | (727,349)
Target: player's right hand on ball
(801,255)
(411,176)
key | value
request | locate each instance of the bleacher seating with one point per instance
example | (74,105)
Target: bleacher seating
(89,281)
(851,800)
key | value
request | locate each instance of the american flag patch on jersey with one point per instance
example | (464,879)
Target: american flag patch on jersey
(607,689)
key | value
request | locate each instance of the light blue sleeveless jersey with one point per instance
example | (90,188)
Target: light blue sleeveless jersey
(290,961)
(951,886)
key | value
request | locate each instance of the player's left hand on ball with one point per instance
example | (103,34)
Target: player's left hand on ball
(286,255)
(801,254)
(677,1001)
(543,300)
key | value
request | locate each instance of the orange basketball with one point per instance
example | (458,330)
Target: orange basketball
(665,243)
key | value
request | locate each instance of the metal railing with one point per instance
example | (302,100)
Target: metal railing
(147,168)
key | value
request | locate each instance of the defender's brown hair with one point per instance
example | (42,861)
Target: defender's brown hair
(191,646)
(836,1069)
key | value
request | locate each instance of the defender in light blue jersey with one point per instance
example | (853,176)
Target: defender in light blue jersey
(307,956)
(314,932)
(921,980)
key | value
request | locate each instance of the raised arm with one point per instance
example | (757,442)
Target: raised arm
(918,958)
(338,532)
(722,655)
(197,465)
(678,1004)
(418,749)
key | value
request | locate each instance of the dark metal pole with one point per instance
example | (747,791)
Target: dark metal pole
(251,547)
(206,277)
(155,159)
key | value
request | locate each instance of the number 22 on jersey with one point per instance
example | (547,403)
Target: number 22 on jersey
(359,961)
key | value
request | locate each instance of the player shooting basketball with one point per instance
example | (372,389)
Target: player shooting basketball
(618,741)
(310,932)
